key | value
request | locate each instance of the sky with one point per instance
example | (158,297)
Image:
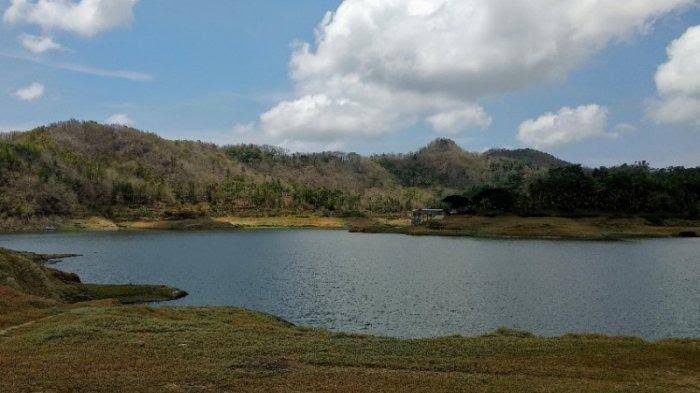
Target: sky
(591,81)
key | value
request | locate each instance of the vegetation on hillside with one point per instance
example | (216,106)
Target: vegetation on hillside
(84,168)
(81,169)
(528,156)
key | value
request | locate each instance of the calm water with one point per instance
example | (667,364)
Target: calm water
(406,286)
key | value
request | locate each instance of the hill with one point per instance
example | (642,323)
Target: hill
(528,156)
(78,169)
(84,169)
(442,164)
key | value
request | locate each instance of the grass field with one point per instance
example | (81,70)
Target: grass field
(143,349)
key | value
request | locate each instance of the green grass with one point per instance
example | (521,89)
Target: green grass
(137,348)
(127,294)
(29,290)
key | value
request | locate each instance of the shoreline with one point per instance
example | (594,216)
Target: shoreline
(78,293)
(498,227)
(115,345)
(30,288)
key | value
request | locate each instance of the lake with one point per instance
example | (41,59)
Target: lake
(405,286)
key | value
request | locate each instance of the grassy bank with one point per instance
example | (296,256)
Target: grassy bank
(505,226)
(29,290)
(240,222)
(508,226)
(224,222)
(137,348)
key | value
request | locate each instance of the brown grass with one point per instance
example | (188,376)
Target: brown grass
(285,221)
(29,290)
(238,222)
(189,224)
(17,307)
(93,224)
(141,349)
(508,226)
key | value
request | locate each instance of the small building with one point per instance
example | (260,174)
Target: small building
(420,216)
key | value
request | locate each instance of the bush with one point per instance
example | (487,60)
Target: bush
(435,224)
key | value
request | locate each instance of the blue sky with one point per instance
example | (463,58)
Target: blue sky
(210,71)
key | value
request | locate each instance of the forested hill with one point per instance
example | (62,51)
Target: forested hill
(529,156)
(85,168)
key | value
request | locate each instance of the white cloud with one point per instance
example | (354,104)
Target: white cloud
(624,128)
(123,74)
(678,82)
(85,17)
(244,128)
(319,117)
(456,121)
(38,44)
(380,66)
(249,133)
(566,126)
(31,92)
(121,119)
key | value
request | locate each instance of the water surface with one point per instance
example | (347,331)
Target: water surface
(406,286)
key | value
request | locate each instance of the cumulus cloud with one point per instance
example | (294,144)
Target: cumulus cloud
(121,119)
(678,82)
(31,92)
(379,66)
(38,44)
(85,17)
(453,122)
(320,117)
(566,126)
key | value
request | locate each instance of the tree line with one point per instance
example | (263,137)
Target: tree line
(574,191)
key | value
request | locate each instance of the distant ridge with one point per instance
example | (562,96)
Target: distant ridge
(530,156)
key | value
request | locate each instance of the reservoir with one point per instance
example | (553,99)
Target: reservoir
(405,286)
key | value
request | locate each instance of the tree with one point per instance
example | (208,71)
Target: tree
(458,203)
